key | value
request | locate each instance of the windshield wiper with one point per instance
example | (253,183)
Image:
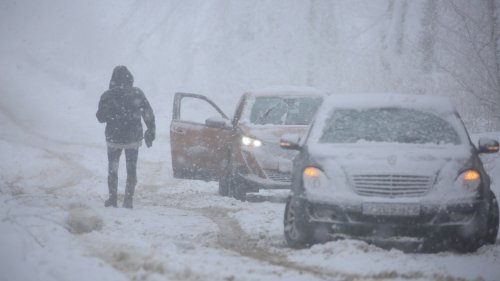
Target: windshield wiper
(269,110)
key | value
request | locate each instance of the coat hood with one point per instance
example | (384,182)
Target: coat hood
(121,78)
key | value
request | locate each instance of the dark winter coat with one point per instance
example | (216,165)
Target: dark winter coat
(121,108)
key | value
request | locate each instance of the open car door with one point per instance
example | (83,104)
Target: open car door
(200,137)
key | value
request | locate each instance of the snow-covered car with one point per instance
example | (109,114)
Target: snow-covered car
(389,166)
(243,152)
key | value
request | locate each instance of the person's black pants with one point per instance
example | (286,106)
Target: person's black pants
(114,160)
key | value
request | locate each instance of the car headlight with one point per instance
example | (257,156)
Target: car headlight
(250,142)
(469,180)
(314,178)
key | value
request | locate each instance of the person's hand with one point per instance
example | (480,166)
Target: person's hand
(149,137)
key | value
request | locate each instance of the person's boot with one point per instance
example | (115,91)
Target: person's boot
(111,201)
(113,197)
(127,202)
(129,195)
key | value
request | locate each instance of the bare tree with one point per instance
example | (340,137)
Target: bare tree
(469,54)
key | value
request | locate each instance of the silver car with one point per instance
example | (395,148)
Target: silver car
(390,166)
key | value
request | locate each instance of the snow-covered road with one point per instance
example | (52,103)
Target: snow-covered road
(54,227)
(57,58)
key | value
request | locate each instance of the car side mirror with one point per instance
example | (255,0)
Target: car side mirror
(487,145)
(217,122)
(290,141)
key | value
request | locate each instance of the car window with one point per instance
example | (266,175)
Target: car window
(196,110)
(283,110)
(395,125)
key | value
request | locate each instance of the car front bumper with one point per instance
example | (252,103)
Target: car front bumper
(253,183)
(254,173)
(350,220)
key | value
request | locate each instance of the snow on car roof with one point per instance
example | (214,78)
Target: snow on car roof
(286,90)
(437,104)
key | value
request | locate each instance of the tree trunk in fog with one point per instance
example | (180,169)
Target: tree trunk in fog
(494,68)
(428,41)
(313,27)
(495,15)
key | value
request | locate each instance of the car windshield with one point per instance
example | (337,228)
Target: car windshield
(394,125)
(284,110)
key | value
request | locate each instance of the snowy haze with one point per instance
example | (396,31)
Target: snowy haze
(56,60)
(222,48)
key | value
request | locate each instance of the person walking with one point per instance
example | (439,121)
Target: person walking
(122,107)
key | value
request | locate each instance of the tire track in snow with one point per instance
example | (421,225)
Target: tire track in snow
(232,237)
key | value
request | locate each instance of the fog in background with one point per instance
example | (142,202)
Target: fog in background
(222,48)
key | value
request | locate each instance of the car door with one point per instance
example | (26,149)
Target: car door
(200,137)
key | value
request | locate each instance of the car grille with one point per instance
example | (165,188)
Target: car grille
(387,185)
(277,176)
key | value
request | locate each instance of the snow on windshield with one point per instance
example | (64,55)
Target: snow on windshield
(397,125)
(388,118)
(276,110)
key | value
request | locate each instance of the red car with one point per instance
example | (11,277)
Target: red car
(241,153)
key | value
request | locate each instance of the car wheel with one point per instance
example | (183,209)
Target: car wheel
(224,182)
(238,191)
(235,187)
(298,232)
(491,235)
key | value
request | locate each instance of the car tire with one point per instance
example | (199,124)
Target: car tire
(229,185)
(224,182)
(298,231)
(493,220)
(238,189)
